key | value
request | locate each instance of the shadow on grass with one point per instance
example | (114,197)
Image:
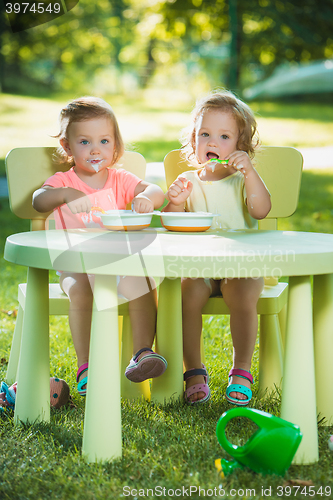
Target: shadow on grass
(290,110)
(54,434)
(2,167)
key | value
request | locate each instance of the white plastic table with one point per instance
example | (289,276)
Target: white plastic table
(152,252)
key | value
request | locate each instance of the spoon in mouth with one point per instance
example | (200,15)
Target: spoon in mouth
(214,161)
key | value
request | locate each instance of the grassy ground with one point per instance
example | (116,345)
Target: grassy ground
(171,446)
(151,122)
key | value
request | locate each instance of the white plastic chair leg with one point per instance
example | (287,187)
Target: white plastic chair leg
(169,340)
(323,344)
(270,353)
(130,390)
(283,320)
(14,356)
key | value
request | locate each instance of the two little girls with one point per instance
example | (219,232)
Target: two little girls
(223,128)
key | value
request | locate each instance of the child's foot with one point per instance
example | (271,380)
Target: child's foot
(197,389)
(145,364)
(82,379)
(239,389)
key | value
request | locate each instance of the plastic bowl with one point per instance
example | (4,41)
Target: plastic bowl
(187,221)
(125,220)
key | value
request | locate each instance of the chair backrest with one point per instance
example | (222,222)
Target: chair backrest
(279,167)
(28,168)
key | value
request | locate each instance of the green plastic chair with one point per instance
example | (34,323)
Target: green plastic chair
(281,170)
(27,169)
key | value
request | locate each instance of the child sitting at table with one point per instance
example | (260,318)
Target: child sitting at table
(223,128)
(91,144)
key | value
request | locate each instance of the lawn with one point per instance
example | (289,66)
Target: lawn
(171,446)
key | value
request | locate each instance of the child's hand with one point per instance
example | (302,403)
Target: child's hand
(239,160)
(179,191)
(77,201)
(142,204)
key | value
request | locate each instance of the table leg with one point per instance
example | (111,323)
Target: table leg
(102,421)
(323,344)
(298,385)
(170,385)
(33,376)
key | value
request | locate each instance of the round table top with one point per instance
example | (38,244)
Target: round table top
(157,252)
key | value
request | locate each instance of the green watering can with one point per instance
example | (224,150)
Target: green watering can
(269,450)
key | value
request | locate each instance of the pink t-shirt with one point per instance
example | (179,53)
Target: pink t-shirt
(116,193)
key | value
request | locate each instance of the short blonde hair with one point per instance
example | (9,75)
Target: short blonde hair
(84,109)
(224,100)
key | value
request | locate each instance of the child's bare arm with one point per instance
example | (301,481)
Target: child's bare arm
(257,196)
(147,197)
(177,195)
(48,198)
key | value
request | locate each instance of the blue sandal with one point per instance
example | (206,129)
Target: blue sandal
(83,382)
(239,388)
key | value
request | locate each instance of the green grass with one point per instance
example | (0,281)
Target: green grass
(151,122)
(170,446)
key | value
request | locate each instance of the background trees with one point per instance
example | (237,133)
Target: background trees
(109,42)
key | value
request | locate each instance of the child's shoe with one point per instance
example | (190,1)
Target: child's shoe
(150,366)
(197,387)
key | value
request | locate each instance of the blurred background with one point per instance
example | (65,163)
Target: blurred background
(151,59)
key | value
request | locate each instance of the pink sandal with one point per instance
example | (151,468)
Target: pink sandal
(197,387)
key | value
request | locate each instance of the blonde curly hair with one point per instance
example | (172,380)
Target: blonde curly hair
(84,109)
(224,100)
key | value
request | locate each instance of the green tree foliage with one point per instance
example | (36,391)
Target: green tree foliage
(267,32)
(70,51)
(234,42)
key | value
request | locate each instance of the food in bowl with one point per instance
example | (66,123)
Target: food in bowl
(186,221)
(125,220)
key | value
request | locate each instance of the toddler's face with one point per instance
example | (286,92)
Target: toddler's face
(91,143)
(216,135)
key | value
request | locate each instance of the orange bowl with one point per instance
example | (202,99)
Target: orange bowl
(187,221)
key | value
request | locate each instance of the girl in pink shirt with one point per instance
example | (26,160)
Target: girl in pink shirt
(91,143)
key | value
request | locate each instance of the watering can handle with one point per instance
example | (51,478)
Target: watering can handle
(251,413)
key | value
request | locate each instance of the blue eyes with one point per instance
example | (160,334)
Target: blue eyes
(85,142)
(205,134)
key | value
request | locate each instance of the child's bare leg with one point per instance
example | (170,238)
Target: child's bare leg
(241,296)
(195,294)
(79,290)
(142,297)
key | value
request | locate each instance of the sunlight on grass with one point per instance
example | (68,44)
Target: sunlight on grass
(157,117)
(30,121)
(296,133)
